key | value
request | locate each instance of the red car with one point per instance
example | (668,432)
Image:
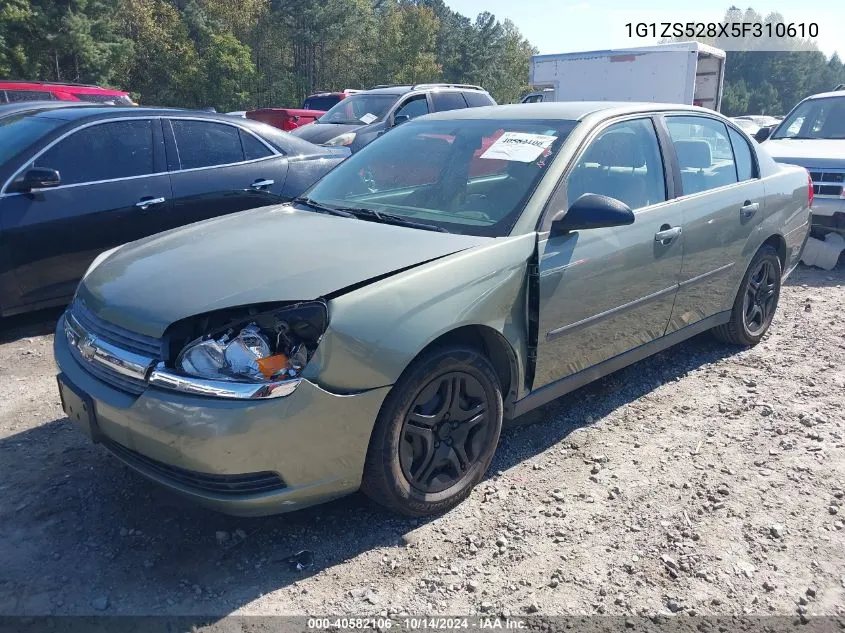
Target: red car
(313,107)
(17,91)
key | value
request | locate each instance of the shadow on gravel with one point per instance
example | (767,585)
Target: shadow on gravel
(33,324)
(816,277)
(77,527)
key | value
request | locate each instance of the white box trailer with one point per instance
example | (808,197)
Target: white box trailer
(685,72)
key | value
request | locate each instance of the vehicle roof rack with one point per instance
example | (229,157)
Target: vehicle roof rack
(48,83)
(447,85)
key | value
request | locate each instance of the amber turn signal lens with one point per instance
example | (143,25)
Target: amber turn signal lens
(272,365)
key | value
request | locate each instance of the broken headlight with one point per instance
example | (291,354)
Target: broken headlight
(266,347)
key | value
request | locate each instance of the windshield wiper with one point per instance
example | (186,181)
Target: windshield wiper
(389,218)
(323,208)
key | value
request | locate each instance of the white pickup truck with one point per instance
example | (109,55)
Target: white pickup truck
(685,72)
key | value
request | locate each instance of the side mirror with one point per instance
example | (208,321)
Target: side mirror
(35,178)
(763,133)
(400,118)
(592,211)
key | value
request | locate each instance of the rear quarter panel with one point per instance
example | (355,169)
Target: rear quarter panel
(787,212)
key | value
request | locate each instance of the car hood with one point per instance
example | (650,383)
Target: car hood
(816,153)
(268,254)
(321,132)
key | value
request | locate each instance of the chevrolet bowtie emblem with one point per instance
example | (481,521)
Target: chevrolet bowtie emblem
(86,348)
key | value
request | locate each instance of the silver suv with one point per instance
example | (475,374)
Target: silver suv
(813,136)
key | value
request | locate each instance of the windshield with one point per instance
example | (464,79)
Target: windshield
(464,176)
(20,131)
(359,109)
(815,118)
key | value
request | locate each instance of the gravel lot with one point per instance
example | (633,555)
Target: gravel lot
(705,480)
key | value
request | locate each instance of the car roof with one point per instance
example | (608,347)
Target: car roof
(57,86)
(827,95)
(564,110)
(94,112)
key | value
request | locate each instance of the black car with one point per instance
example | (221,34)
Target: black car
(362,117)
(77,181)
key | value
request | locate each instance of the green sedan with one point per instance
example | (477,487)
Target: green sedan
(463,269)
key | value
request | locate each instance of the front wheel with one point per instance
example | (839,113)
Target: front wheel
(756,302)
(436,433)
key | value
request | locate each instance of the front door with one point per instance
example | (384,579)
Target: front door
(608,290)
(113,189)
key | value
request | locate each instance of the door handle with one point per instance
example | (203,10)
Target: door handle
(146,203)
(748,209)
(667,233)
(259,184)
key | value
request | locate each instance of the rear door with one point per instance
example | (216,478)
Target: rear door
(114,189)
(722,198)
(219,168)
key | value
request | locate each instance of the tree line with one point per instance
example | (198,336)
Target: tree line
(238,54)
(772,82)
(253,53)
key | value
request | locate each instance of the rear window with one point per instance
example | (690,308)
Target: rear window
(320,103)
(19,132)
(17,96)
(477,99)
(104,99)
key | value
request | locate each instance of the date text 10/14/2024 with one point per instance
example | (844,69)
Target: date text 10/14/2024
(420,623)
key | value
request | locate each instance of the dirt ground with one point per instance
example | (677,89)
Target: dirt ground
(705,480)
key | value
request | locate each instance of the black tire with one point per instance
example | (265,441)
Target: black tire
(400,471)
(756,301)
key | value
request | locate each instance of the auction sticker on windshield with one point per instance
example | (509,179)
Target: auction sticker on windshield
(518,146)
(368,118)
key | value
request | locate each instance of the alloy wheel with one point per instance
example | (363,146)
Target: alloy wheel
(760,297)
(445,432)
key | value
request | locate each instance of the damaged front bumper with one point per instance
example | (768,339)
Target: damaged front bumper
(243,457)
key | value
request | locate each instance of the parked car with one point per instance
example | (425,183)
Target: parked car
(761,120)
(359,119)
(813,135)
(16,91)
(374,334)
(746,124)
(312,109)
(77,181)
(241,114)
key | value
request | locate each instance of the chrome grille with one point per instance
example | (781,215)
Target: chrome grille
(241,484)
(827,183)
(124,383)
(114,334)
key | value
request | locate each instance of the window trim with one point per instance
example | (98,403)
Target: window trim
(727,124)
(405,99)
(66,134)
(275,153)
(544,223)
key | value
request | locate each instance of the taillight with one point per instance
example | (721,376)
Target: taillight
(810,190)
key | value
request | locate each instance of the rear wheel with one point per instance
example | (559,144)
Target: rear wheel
(436,434)
(756,302)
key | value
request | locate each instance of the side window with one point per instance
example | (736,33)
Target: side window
(478,99)
(742,154)
(413,107)
(16,96)
(102,152)
(447,101)
(253,148)
(623,162)
(533,99)
(206,144)
(704,152)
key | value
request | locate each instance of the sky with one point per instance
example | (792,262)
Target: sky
(562,26)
